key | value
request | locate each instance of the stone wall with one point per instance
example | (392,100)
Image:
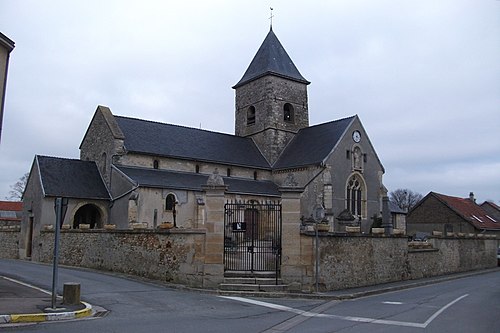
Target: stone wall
(175,256)
(347,262)
(9,243)
(193,258)
(453,255)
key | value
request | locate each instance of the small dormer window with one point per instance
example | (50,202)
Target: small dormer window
(251,115)
(288,115)
(156,164)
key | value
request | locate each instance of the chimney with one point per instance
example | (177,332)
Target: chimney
(471,197)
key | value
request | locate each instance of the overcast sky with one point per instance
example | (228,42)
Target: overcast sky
(423,76)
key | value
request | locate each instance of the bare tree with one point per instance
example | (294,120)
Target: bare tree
(17,190)
(405,198)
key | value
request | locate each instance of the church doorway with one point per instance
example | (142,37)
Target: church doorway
(252,237)
(88,214)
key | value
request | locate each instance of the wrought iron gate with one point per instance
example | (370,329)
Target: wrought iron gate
(252,236)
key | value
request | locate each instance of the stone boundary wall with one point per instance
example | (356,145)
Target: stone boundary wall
(453,255)
(179,256)
(9,243)
(175,256)
(356,261)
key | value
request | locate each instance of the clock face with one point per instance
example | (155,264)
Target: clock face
(356,136)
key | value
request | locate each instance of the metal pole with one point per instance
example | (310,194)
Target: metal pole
(56,250)
(317,258)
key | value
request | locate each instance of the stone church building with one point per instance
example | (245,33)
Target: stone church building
(134,171)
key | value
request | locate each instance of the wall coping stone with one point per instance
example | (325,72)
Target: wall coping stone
(410,250)
(345,234)
(130,231)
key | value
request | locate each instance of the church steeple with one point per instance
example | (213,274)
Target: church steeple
(271,59)
(271,99)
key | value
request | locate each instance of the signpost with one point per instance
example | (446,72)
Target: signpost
(60,207)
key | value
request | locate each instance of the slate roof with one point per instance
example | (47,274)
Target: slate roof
(312,145)
(469,210)
(70,178)
(194,181)
(396,209)
(271,58)
(148,137)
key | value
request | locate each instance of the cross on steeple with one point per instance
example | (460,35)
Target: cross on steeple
(271,17)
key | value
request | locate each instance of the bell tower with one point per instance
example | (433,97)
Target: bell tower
(271,99)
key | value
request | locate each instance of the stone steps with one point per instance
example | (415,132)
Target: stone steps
(252,282)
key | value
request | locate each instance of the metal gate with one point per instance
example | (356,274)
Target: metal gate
(252,236)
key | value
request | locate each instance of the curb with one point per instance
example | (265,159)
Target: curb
(40,317)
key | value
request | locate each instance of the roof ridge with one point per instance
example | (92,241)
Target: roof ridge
(330,122)
(62,158)
(181,126)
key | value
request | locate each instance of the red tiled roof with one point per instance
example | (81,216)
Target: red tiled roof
(15,206)
(470,211)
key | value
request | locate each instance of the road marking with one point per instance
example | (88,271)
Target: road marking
(27,285)
(392,303)
(298,319)
(349,318)
(431,318)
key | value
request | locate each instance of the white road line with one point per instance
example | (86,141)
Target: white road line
(392,303)
(27,285)
(356,319)
(431,318)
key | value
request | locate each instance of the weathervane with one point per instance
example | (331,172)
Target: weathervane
(271,17)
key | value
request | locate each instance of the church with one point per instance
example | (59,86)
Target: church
(138,172)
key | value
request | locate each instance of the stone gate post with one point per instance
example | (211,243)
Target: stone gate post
(213,271)
(296,257)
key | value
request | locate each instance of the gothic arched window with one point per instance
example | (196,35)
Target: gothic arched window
(288,115)
(251,115)
(355,196)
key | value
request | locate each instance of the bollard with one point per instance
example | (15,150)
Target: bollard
(71,293)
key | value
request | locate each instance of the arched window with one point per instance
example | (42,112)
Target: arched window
(197,168)
(251,115)
(355,196)
(156,164)
(288,115)
(170,202)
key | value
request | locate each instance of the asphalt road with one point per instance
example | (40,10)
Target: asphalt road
(470,304)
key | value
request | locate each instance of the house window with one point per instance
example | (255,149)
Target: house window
(197,168)
(156,163)
(354,196)
(251,115)
(288,115)
(228,172)
(170,202)
(255,175)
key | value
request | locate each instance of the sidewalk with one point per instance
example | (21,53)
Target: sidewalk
(22,303)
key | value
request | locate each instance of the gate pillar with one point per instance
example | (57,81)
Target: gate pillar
(213,270)
(294,268)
